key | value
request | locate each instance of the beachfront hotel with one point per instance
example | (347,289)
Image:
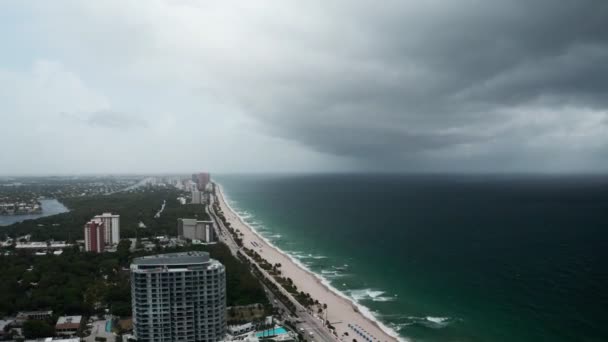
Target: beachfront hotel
(178,297)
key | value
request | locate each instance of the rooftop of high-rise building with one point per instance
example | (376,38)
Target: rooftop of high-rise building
(95,221)
(107,215)
(181,258)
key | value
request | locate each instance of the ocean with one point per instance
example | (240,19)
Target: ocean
(447,257)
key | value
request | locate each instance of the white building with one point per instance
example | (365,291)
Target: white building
(112,226)
(35,245)
(68,325)
(197,197)
(236,330)
(178,297)
(50,339)
(194,229)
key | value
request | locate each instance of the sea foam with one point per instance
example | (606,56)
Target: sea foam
(370,294)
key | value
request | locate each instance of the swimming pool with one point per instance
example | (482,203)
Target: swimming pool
(109,326)
(272,332)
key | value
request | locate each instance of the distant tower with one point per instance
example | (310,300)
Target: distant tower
(178,297)
(94,236)
(201,179)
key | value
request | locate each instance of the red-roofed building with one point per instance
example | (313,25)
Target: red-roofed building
(94,236)
(68,325)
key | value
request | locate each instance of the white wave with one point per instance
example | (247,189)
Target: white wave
(296,254)
(328,272)
(400,326)
(245,216)
(431,321)
(303,255)
(332,274)
(366,312)
(370,294)
(317,256)
(312,256)
(438,320)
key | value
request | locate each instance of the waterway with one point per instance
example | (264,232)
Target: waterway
(49,207)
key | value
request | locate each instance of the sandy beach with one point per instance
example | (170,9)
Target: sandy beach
(343,314)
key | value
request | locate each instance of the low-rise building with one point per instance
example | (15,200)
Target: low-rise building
(68,325)
(37,315)
(50,339)
(194,229)
(5,324)
(42,245)
(236,330)
(198,197)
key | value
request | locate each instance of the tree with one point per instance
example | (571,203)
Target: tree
(121,309)
(108,266)
(37,329)
(123,251)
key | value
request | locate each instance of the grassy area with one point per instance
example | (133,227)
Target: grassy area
(245,313)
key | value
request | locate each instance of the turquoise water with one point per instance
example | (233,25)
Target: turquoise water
(49,207)
(447,258)
(272,332)
(109,326)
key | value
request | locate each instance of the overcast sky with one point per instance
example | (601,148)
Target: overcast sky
(253,86)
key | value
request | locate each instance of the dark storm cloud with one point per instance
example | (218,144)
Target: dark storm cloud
(403,80)
(466,85)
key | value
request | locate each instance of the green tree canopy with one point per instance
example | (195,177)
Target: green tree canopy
(37,329)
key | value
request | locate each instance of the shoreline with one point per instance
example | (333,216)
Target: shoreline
(341,308)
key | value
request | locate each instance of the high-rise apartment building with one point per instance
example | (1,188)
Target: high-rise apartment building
(94,236)
(178,297)
(112,227)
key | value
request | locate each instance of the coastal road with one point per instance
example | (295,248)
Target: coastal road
(223,233)
(311,327)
